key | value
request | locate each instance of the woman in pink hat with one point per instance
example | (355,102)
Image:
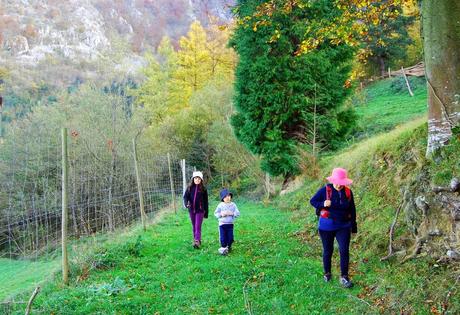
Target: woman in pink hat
(335,207)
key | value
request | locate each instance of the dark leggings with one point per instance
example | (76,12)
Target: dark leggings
(343,238)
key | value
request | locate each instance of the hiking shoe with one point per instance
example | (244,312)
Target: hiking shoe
(223,251)
(327,277)
(345,282)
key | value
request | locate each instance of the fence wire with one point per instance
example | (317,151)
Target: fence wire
(103,194)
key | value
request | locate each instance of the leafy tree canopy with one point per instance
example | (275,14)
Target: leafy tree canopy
(352,27)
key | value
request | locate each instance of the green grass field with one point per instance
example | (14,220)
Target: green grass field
(19,275)
(270,271)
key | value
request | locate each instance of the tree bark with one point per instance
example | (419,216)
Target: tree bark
(441,32)
(382,66)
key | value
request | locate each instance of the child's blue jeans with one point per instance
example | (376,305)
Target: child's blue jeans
(226,235)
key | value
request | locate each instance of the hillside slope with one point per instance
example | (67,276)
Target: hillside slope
(58,42)
(384,104)
(390,172)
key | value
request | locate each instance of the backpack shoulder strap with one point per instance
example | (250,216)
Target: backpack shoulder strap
(328,192)
(348,193)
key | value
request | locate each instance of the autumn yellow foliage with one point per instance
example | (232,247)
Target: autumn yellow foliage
(173,76)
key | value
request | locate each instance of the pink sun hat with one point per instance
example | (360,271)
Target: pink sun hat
(339,177)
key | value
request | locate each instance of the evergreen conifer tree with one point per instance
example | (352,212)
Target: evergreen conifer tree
(275,85)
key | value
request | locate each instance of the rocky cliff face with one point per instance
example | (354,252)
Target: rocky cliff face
(37,32)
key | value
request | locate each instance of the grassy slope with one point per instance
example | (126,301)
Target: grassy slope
(271,268)
(385,104)
(381,167)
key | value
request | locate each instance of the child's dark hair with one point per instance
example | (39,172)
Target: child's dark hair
(201,186)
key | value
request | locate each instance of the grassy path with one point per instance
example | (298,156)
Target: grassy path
(269,272)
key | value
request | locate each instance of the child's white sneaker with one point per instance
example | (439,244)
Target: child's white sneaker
(223,250)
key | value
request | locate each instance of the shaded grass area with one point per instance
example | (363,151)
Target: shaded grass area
(17,276)
(270,271)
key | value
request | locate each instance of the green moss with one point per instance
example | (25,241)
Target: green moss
(446,163)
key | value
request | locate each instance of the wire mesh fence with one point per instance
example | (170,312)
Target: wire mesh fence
(103,196)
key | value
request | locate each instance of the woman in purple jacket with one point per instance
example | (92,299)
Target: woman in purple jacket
(196,201)
(335,207)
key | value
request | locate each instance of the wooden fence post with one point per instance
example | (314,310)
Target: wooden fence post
(65,184)
(173,195)
(407,82)
(139,186)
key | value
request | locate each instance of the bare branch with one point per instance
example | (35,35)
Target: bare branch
(31,300)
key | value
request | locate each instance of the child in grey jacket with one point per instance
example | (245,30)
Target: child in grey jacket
(226,212)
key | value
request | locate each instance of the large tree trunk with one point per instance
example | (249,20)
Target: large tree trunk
(441,32)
